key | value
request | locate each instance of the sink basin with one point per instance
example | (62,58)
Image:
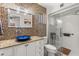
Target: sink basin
(23,38)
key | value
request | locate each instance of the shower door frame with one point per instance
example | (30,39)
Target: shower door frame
(63,12)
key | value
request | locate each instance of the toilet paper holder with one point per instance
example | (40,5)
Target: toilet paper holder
(68,34)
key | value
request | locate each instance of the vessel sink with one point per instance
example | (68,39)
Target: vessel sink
(23,38)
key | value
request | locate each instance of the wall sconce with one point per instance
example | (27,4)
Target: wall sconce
(18,10)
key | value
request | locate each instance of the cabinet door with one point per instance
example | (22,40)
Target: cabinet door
(31,49)
(40,48)
(20,50)
(6,52)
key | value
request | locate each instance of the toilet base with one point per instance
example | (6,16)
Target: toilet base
(51,54)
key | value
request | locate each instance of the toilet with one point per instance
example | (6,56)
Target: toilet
(51,49)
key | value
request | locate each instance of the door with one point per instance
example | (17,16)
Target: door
(20,50)
(6,51)
(70,25)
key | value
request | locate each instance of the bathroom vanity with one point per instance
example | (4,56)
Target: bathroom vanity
(33,47)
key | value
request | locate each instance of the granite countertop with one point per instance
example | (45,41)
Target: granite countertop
(13,42)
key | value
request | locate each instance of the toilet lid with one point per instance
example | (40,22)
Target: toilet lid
(50,47)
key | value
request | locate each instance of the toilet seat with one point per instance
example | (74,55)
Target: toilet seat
(51,48)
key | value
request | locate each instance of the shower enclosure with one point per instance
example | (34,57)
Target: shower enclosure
(67,30)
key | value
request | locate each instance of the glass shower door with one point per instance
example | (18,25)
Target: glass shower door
(71,26)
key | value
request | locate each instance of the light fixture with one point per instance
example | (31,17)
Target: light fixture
(8,10)
(18,10)
(59,21)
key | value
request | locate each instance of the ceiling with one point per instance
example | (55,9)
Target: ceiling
(49,6)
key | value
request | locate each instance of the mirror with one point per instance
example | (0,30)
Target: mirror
(18,18)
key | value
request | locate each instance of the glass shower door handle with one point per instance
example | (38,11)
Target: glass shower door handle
(61,32)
